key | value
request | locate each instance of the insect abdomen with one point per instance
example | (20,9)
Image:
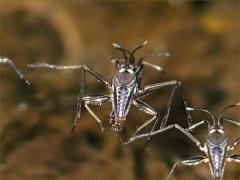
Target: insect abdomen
(123,96)
(217,144)
(217,157)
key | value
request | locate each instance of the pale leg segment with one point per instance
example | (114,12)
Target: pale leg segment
(71,67)
(176,84)
(235,122)
(172,126)
(93,100)
(192,161)
(83,69)
(142,106)
(237,142)
(82,84)
(5,60)
(234,158)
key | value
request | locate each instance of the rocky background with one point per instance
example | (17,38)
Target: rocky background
(203,40)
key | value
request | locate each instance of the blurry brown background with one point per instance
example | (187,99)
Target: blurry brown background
(202,38)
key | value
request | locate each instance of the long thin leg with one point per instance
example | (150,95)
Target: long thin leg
(55,67)
(84,69)
(165,118)
(142,106)
(61,67)
(80,96)
(147,109)
(234,158)
(205,111)
(79,100)
(192,161)
(237,142)
(5,60)
(176,84)
(97,101)
(194,126)
(235,122)
(95,116)
(172,126)
(96,75)
(156,67)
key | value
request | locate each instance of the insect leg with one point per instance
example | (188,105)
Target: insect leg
(80,96)
(237,123)
(97,76)
(237,142)
(95,116)
(156,67)
(79,99)
(172,126)
(234,158)
(61,67)
(192,161)
(97,101)
(84,69)
(149,110)
(5,60)
(55,67)
(165,118)
(194,126)
(176,84)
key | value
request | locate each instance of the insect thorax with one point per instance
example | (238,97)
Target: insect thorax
(124,78)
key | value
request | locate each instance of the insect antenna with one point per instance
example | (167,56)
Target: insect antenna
(225,109)
(206,111)
(123,50)
(132,59)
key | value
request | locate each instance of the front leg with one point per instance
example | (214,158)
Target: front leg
(176,85)
(71,67)
(5,60)
(79,100)
(83,69)
(81,92)
(192,161)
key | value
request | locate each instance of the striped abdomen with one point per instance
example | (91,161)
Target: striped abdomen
(217,146)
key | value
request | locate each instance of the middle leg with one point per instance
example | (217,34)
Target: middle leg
(176,85)
(97,101)
(192,161)
(142,106)
(172,126)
